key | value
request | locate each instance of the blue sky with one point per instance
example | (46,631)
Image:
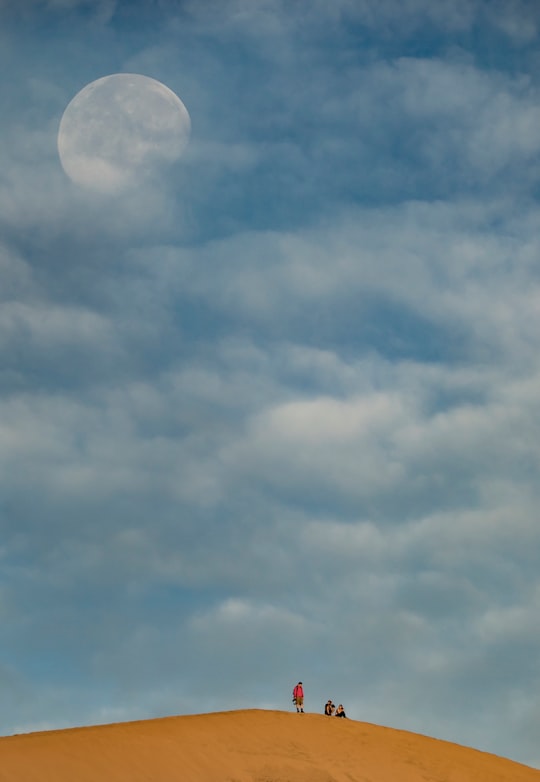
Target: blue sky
(275,415)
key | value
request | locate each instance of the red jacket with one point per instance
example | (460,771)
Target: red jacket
(298,691)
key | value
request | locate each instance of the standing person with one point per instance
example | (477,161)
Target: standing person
(298,697)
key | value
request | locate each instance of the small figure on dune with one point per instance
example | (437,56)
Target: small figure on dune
(340,711)
(329,708)
(298,697)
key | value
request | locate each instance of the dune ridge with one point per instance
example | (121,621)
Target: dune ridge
(247,746)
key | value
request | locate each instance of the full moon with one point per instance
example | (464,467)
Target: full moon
(119,129)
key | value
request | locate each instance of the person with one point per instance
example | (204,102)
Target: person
(329,708)
(298,697)
(340,711)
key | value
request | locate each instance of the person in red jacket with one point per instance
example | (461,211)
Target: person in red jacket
(298,697)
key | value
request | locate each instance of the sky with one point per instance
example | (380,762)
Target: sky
(274,415)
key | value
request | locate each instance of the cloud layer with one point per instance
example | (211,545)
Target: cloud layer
(275,416)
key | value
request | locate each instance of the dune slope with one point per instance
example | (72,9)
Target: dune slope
(247,746)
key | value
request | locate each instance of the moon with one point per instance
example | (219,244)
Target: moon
(119,129)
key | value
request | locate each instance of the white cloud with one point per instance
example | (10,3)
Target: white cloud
(478,122)
(245,616)
(510,623)
(518,19)
(51,326)
(476,284)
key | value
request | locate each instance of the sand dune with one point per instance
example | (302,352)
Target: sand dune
(247,746)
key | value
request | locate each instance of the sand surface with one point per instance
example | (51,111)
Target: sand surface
(247,746)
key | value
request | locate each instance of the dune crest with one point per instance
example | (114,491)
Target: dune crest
(247,746)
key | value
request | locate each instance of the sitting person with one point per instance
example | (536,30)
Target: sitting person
(329,708)
(340,711)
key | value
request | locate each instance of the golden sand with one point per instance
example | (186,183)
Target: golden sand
(247,746)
